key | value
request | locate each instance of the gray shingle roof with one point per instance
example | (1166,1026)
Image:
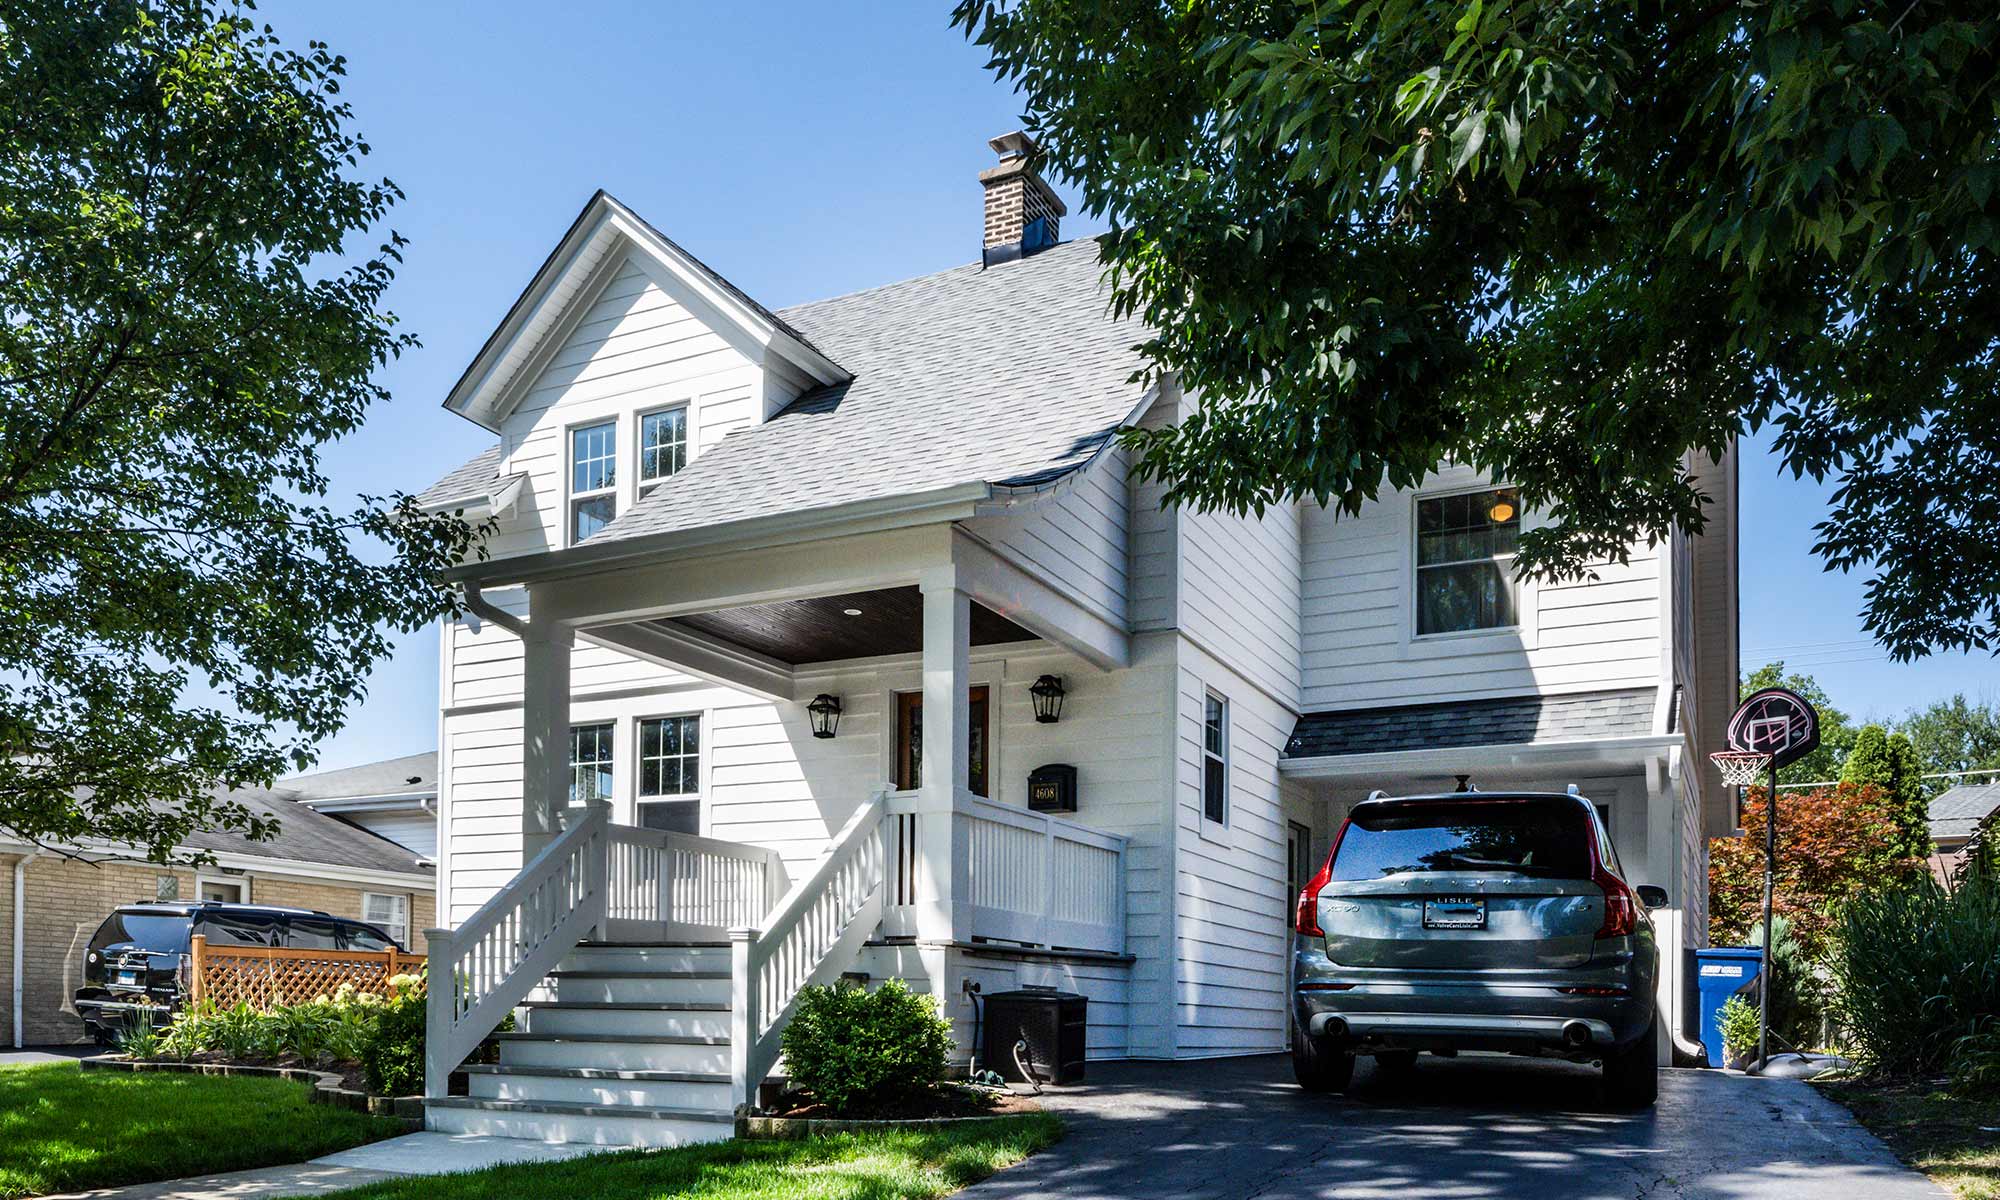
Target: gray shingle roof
(410,774)
(1958,812)
(472,481)
(1011,375)
(1624,712)
(308,836)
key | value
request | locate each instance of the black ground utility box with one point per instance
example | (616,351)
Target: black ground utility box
(1051,1022)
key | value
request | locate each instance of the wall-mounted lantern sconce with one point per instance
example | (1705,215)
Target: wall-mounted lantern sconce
(1048,694)
(825,712)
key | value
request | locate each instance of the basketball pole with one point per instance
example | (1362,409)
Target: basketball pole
(1764,958)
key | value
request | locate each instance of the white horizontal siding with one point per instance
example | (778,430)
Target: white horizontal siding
(1356,625)
(1153,554)
(1239,593)
(1076,541)
(415,832)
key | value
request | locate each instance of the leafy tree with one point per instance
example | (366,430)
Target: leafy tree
(1832,843)
(1569,242)
(1954,735)
(181,607)
(1887,763)
(1836,735)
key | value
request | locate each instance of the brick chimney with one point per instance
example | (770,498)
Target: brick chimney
(1022,214)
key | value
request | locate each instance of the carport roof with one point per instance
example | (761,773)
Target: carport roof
(1513,720)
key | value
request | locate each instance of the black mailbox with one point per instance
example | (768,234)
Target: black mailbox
(1052,1023)
(1052,788)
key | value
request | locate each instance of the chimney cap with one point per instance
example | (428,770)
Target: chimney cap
(1014,145)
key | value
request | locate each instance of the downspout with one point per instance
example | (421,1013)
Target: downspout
(20,935)
(477,603)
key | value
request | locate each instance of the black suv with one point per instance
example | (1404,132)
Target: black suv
(138,958)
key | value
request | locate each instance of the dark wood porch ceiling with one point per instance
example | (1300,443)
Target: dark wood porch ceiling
(889,621)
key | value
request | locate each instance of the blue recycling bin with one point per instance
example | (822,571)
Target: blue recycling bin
(1724,971)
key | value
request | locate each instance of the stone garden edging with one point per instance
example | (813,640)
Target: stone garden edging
(326,1086)
(786,1128)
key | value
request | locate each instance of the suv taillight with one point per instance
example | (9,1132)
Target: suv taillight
(1306,920)
(1621,910)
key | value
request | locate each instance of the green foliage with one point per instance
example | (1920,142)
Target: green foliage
(1836,734)
(1563,241)
(1798,998)
(847,1045)
(1888,763)
(1916,970)
(392,1060)
(189,311)
(1832,843)
(68,1130)
(1738,1023)
(1954,735)
(1975,1062)
(140,1039)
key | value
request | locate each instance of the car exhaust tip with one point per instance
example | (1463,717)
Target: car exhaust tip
(1327,1025)
(1576,1034)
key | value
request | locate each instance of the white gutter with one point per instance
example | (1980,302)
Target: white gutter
(477,603)
(20,937)
(1456,760)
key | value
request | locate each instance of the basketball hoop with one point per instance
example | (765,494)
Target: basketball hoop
(1740,768)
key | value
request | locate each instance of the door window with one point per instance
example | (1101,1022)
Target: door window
(312,933)
(910,741)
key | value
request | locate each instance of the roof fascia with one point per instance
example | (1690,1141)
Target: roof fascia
(94,850)
(1449,760)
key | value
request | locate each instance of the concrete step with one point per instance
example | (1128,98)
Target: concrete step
(641,986)
(592,1124)
(614,1051)
(703,1019)
(650,956)
(585,1085)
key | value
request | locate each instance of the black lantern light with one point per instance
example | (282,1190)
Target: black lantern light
(1048,694)
(825,711)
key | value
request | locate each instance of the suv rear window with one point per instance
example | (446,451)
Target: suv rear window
(161,933)
(1521,837)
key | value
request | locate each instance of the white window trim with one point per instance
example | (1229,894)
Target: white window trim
(617,755)
(1527,594)
(402,935)
(240,882)
(704,762)
(570,494)
(640,484)
(1207,826)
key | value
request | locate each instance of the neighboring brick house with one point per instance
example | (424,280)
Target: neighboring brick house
(50,902)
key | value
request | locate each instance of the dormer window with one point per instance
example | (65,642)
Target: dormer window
(662,445)
(593,478)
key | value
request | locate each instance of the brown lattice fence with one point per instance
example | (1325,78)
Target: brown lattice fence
(266,976)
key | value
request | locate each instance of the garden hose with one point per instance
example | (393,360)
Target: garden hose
(1021,1065)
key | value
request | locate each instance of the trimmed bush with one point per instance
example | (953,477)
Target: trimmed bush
(392,1057)
(1916,973)
(849,1046)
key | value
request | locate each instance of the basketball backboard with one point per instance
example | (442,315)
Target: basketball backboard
(1778,722)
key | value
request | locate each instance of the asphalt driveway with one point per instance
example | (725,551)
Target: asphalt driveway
(1469,1129)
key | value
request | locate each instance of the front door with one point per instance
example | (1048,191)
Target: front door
(910,741)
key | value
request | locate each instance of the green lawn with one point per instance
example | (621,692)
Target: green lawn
(873,1166)
(64,1129)
(1947,1138)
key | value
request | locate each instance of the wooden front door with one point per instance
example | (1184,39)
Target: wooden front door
(910,741)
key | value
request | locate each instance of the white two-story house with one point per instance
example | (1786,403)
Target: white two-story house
(783,611)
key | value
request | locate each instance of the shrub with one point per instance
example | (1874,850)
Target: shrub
(140,1039)
(1975,1063)
(1738,1024)
(392,1056)
(847,1045)
(1798,998)
(1916,972)
(1832,843)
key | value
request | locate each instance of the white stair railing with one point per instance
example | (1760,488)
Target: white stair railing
(489,964)
(810,938)
(678,886)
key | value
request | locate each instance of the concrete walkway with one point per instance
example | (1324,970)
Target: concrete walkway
(393,1158)
(1474,1128)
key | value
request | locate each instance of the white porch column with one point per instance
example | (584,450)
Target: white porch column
(545,774)
(947,722)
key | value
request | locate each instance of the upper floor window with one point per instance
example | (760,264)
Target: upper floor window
(1465,561)
(662,445)
(593,478)
(589,762)
(1215,759)
(670,774)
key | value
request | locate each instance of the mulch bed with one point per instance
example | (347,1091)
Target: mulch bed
(945,1103)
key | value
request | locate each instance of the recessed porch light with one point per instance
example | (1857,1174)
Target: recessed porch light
(852,612)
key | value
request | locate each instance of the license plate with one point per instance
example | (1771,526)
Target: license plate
(1455,912)
(128,977)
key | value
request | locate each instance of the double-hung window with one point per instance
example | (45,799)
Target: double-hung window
(593,478)
(670,774)
(1465,561)
(1215,760)
(589,762)
(662,445)
(389,912)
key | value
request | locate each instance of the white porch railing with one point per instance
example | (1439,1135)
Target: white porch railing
(1023,876)
(812,935)
(481,970)
(675,886)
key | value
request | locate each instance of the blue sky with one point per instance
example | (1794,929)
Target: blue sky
(804,150)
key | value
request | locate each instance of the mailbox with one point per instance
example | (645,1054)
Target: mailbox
(1052,788)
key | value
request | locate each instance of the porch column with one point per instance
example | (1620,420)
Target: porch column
(545,774)
(947,724)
